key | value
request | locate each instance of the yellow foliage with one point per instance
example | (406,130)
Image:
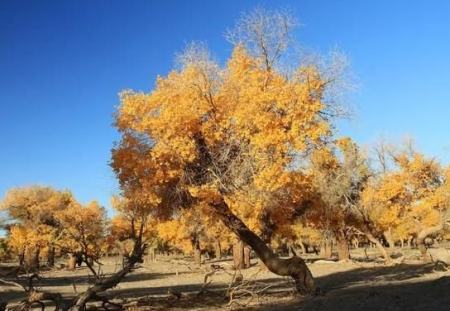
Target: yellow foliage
(206,134)
(410,198)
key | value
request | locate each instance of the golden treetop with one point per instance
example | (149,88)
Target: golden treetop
(219,130)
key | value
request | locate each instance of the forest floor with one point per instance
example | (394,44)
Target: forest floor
(363,283)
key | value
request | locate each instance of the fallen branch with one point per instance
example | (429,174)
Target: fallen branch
(35,296)
(240,288)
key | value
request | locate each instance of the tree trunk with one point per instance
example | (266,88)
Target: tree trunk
(247,251)
(51,256)
(325,249)
(388,236)
(342,245)
(101,285)
(302,246)
(409,241)
(197,251)
(380,247)
(152,254)
(71,262)
(217,249)
(421,238)
(22,258)
(32,258)
(238,255)
(294,267)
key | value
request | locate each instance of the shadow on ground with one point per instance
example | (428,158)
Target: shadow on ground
(401,287)
(377,288)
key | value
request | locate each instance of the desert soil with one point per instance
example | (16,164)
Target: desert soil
(363,283)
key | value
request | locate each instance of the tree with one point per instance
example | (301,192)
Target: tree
(18,242)
(410,198)
(206,134)
(134,224)
(341,174)
(4,250)
(33,209)
(83,232)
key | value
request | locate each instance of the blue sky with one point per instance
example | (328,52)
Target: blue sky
(62,64)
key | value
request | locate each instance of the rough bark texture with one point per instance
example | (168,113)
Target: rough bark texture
(342,245)
(294,267)
(267,227)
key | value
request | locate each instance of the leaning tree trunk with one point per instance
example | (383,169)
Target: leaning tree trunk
(380,247)
(294,267)
(421,239)
(102,285)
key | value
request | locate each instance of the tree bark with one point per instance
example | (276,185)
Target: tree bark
(238,255)
(197,251)
(325,249)
(103,284)
(51,256)
(32,258)
(217,249)
(247,257)
(424,233)
(294,267)
(302,246)
(380,247)
(71,262)
(342,245)
(388,236)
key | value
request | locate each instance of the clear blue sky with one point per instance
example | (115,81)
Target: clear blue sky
(62,64)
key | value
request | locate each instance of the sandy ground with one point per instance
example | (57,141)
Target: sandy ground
(360,284)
